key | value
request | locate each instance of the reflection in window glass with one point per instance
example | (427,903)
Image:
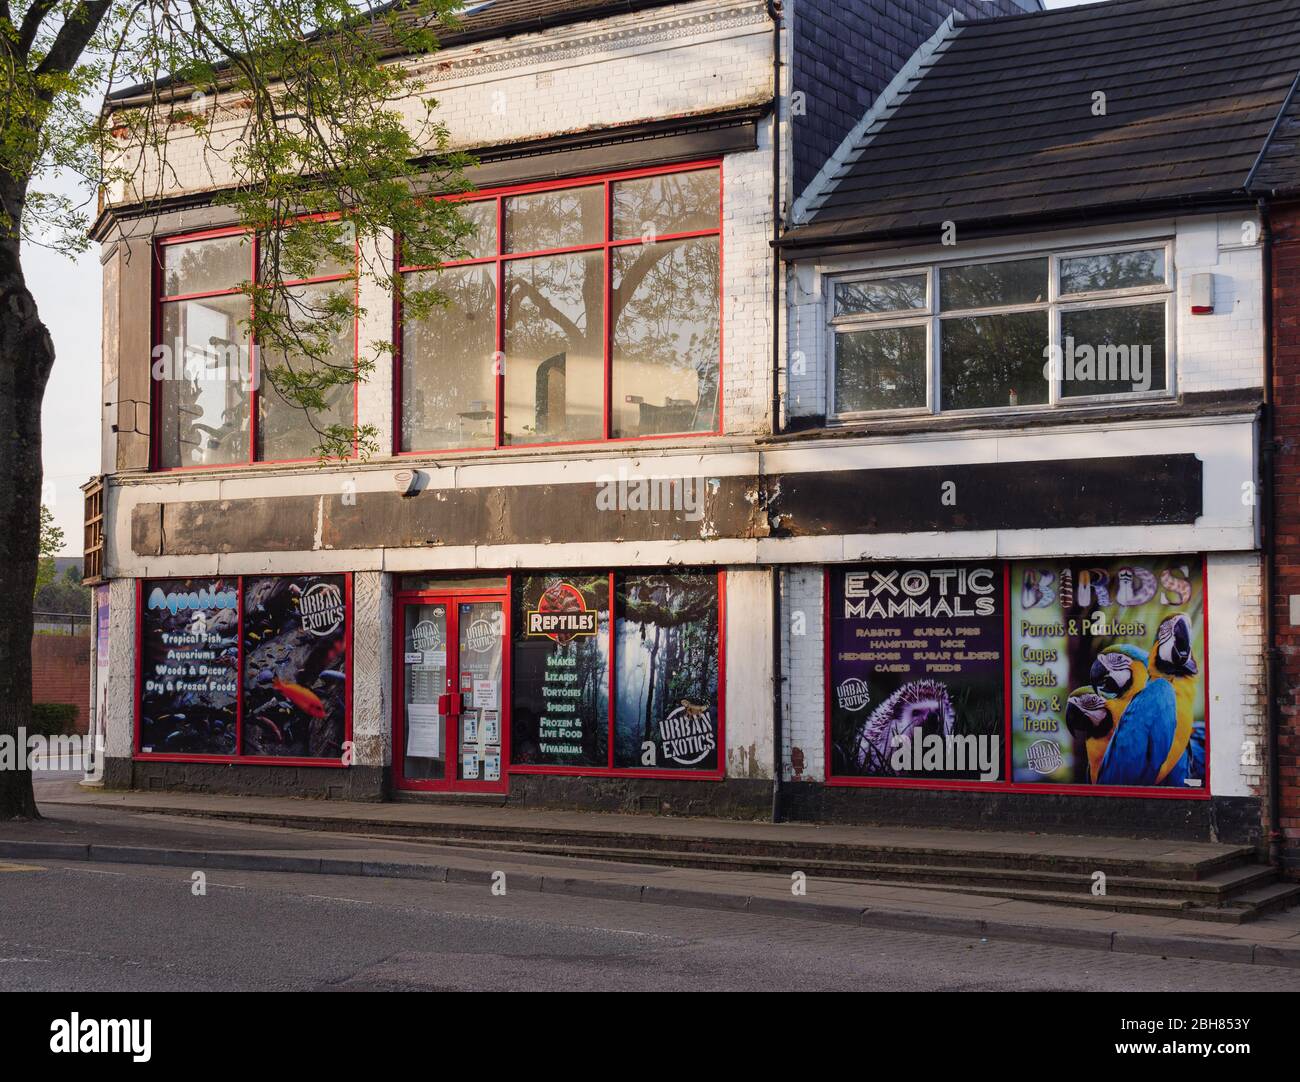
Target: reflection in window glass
(482,242)
(285,429)
(672,203)
(989,361)
(666,671)
(879,369)
(987,285)
(1113,350)
(665,352)
(880,295)
(205,266)
(564,218)
(204,395)
(448,385)
(554,348)
(309,249)
(1112,270)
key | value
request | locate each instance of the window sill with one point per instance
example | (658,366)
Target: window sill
(1202,404)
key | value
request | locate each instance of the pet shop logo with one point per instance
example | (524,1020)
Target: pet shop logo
(1087,588)
(212,597)
(1044,757)
(687,734)
(480,637)
(426,636)
(853,694)
(321,609)
(561,615)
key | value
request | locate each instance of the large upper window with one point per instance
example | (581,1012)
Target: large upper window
(1031,331)
(215,402)
(583,311)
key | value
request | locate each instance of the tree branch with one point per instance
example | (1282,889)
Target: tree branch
(73,37)
(32,24)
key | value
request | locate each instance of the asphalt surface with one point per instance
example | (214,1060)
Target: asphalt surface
(86,927)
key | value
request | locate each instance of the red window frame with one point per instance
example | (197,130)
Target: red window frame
(1008,785)
(160,299)
(610,770)
(605,247)
(239,757)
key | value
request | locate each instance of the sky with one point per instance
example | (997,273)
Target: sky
(67,293)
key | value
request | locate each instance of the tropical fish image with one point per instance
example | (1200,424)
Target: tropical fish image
(295,683)
(303,698)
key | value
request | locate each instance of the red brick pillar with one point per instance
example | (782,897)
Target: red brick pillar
(1285,222)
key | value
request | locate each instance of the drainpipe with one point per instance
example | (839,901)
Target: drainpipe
(1272,655)
(778,753)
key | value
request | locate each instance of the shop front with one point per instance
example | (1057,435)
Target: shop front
(1080,676)
(583,674)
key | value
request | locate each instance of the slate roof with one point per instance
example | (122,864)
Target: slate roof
(997,126)
(843,53)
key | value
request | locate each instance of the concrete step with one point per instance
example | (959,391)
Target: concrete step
(1230,894)
(968,854)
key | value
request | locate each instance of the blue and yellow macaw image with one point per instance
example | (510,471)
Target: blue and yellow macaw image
(1127,638)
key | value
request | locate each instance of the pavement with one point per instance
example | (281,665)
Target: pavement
(107,828)
(82,927)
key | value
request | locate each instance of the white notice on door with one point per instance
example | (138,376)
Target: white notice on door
(423,731)
(485,694)
(469,765)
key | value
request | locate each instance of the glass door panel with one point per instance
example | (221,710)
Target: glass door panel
(425,698)
(480,635)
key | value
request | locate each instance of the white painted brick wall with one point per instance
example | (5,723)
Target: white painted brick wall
(747,289)
(803,675)
(690,58)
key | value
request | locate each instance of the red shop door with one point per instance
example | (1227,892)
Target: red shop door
(450,718)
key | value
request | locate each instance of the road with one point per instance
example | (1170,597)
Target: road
(87,927)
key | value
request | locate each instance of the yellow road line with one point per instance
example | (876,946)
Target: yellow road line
(5,867)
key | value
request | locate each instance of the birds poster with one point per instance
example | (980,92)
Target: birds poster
(1108,672)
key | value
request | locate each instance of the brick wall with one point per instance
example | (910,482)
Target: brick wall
(61,673)
(1286,486)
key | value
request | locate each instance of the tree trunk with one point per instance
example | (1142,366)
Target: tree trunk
(26,356)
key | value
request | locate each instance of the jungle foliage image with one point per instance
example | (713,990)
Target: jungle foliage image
(666,676)
(1108,672)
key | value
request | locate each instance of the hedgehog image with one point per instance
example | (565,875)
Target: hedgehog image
(920,703)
